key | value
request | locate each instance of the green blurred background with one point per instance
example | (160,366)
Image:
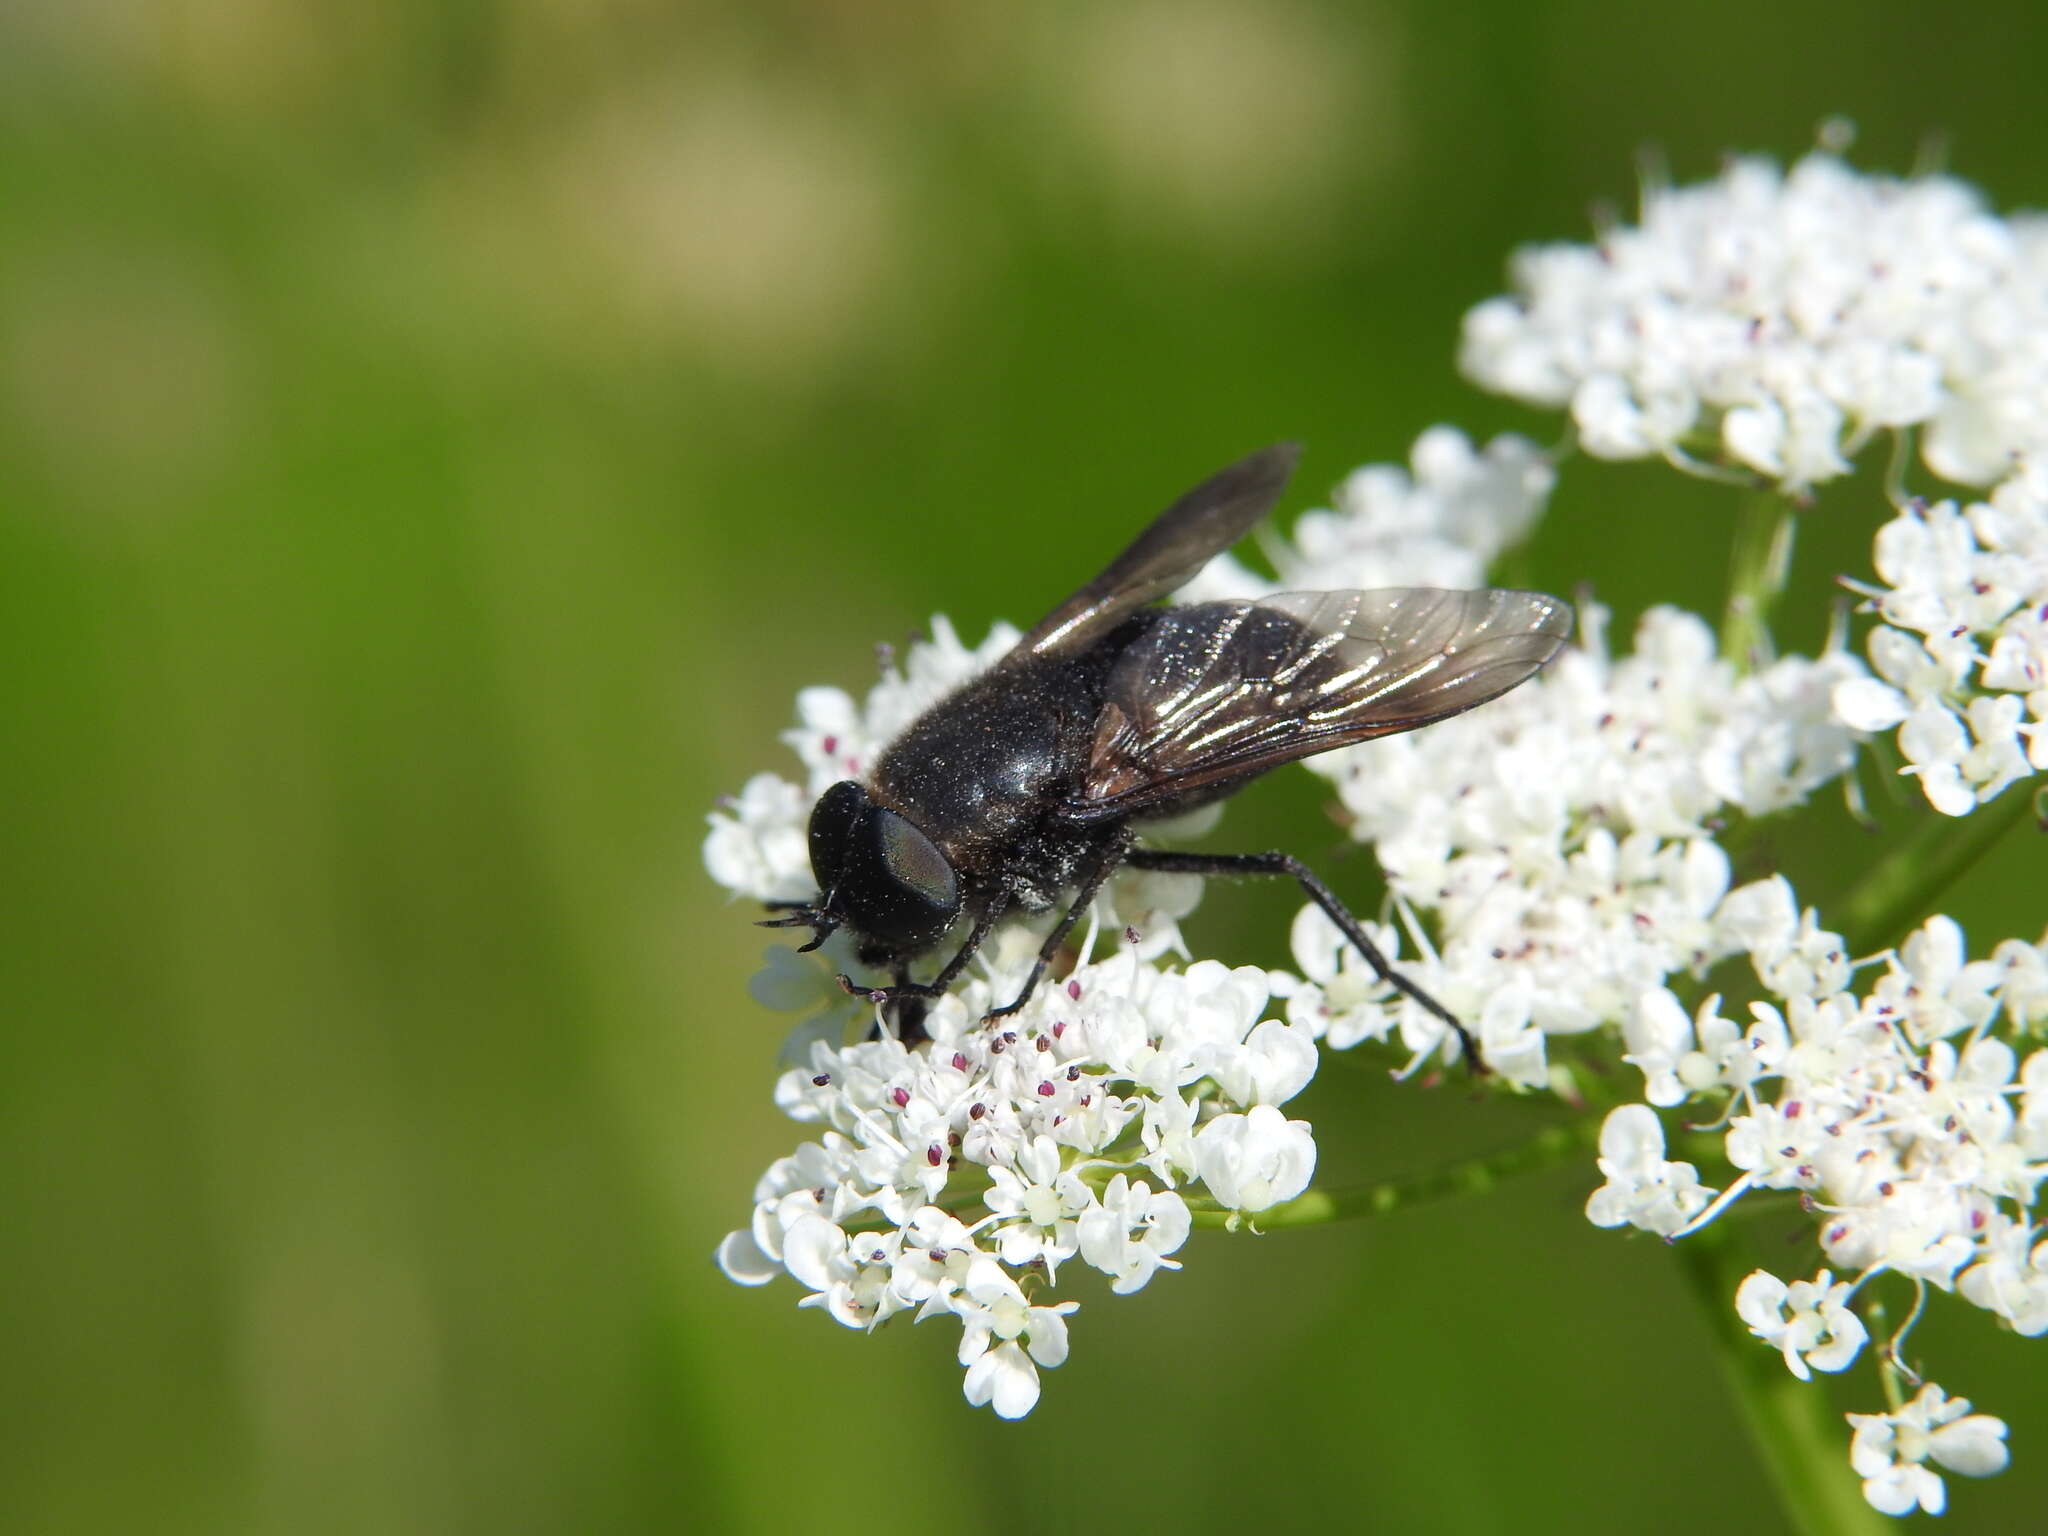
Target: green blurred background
(436,440)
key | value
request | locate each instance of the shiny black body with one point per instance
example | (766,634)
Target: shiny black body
(1024,788)
(987,775)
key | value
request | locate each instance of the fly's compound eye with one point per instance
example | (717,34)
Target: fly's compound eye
(916,863)
(896,888)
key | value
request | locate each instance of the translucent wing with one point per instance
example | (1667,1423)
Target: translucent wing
(1217,692)
(1177,544)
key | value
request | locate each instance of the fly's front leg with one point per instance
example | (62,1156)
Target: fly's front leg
(936,987)
(903,1018)
(1322,896)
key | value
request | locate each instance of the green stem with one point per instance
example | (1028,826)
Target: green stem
(1899,889)
(1878,1325)
(1475,1176)
(1759,564)
(1804,1444)
(1555,1144)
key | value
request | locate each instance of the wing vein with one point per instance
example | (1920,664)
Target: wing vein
(1213,693)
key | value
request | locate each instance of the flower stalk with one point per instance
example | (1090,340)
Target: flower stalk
(1760,565)
(1795,1432)
(1473,1176)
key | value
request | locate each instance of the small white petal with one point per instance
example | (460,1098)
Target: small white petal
(1865,704)
(744,1262)
(1974,1446)
(1005,1377)
(811,1249)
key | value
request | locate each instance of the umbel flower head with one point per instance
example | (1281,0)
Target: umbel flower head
(958,1175)
(1786,317)
(1961,652)
(1570,870)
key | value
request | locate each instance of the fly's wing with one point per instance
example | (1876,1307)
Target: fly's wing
(1217,692)
(1177,544)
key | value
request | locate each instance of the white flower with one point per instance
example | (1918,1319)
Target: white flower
(2011,1277)
(1761,917)
(1273,1064)
(1921,1139)
(847,1272)
(1730,1056)
(1642,1189)
(1681,1056)
(1809,1321)
(1509,1040)
(1343,1001)
(1865,704)
(1660,1039)
(1786,317)
(1131,1231)
(1167,1135)
(2023,986)
(1890,1451)
(933,1260)
(1930,990)
(1814,965)
(757,846)
(1775,1149)
(1034,1203)
(1793,955)
(1005,1340)
(1255,1160)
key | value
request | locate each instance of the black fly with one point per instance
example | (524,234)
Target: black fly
(1027,783)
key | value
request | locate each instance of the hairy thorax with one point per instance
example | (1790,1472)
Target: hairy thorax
(983,772)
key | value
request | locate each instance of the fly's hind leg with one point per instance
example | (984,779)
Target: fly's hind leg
(1322,896)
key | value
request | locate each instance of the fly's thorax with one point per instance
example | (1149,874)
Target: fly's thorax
(982,770)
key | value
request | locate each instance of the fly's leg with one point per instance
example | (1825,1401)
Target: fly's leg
(907,1014)
(936,987)
(1105,865)
(1322,896)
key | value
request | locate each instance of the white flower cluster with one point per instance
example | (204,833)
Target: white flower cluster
(1906,1120)
(1890,1451)
(1555,860)
(955,1176)
(1782,318)
(1779,320)
(1917,1130)
(1962,653)
(1776,321)
(1562,838)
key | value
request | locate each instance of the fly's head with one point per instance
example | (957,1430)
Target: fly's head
(878,875)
